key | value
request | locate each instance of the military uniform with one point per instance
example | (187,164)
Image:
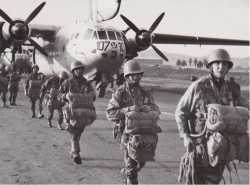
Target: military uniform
(124,97)
(3,85)
(51,87)
(13,87)
(191,113)
(76,128)
(34,96)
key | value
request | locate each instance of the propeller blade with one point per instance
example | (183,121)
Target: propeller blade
(125,31)
(5,16)
(38,47)
(34,13)
(156,23)
(130,24)
(159,53)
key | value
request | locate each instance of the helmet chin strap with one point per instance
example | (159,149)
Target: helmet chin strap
(133,84)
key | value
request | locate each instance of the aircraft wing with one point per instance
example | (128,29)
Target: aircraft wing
(181,39)
(47,32)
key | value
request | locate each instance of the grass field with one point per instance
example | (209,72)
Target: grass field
(174,79)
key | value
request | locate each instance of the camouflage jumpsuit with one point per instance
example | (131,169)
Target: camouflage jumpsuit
(52,86)
(126,96)
(14,79)
(34,76)
(75,85)
(190,116)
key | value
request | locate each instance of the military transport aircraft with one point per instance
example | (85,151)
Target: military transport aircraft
(103,49)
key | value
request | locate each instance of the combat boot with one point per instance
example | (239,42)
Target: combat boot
(77,159)
(5,105)
(59,126)
(40,116)
(131,181)
(50,124)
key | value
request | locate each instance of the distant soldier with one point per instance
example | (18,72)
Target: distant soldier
(13,85)
(51,87)
(191,116)
(134,114)
(3,83)
(32,90)
(80,110)
(42,77)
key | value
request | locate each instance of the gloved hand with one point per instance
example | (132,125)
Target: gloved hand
(188,143)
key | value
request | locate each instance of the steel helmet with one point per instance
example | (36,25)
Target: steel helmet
(35,66)
(132,67)
(9,68)
(63,75)
(219,55)
(2,66)
(76,65)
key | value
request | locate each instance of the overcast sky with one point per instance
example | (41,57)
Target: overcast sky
(208,18)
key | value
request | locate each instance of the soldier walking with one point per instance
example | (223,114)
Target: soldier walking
(138,137)
(79,111)
(51,87)
(191,115)
(3,84)
(13,85)
(32,90)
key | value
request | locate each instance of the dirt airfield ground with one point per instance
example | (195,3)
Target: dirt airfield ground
(32,153)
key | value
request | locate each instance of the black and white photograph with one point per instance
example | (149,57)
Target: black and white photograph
(124,92)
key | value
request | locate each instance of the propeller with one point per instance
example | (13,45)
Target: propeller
(19,30)
(144,37)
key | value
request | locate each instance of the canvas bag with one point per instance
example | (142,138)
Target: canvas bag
(227,118)
(81,106)
(34,88)
(142,147)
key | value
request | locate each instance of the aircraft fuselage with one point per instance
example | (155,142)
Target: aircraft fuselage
(97,47)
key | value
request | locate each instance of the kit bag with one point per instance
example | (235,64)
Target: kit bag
(142,122)
(142,147)
(54,99)
(34,88)
(228,119)
(142,128)
(81,106)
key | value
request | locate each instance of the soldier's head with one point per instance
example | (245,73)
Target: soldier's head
(9,68)
(77,69)
(132,72)
(219,63)
(35,69)
(63,75)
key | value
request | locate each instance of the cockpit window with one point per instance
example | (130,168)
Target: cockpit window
(94,35)
(118,35)
(111,35)
(87,34)
(102,35)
